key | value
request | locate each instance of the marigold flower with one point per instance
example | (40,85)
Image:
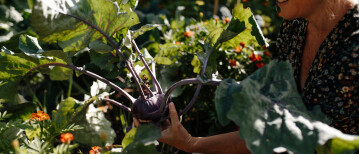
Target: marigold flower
(66,138)
(238,49)
(95,150)
(255,57)
(39,116)
(232,62)
(260,65)
(227,20)
(216,18)
(188,33)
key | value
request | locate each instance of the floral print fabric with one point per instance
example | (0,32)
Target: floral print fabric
(333,79)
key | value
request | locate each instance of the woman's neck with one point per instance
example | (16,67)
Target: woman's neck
(322,20)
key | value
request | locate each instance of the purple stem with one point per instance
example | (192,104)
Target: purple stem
(117,50)
(154,87)
(117,104)
(148,68)
(184,82)
(139,78)
(79,69)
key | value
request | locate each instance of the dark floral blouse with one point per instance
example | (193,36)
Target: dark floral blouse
(333,79)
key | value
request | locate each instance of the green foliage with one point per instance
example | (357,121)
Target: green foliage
(141,139)
(14,66)
(102,15)
(275,115)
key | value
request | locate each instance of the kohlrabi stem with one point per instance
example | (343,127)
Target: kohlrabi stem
(82,70)
(117,50)
(147,67)
(190,104)
(143,83)
(154,87)
(117,104)
(185,82)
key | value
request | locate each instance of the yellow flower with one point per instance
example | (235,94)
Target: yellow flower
(39,116)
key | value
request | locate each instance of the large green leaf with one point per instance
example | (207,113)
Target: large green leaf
(271,113)
(14,66)
(141,139)
(73,24)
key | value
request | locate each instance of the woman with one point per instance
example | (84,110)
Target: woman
(321,40)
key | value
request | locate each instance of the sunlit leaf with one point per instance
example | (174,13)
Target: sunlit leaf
(59,21)
(271,114)
(144,29)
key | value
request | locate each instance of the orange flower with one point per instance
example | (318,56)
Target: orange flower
(178,42)
(188,33)
(238,49)
(227,20)
(260,65)
(267,53)
(95,150)
(39,116)
(232,62)
(66,138)
(255,57)
(216,18)
(242,44)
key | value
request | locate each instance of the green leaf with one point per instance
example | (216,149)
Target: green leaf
(55,21)
(128,4)
(271,113)
(144,29)
(30,46)
(60,73)
(196,64)
(163,60)
(12,69)
(141,136)
(224,100)
(256,31)
(129,137)
(338,145)
(61,116)
(100,46)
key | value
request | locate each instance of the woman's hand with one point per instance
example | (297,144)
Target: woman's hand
(173,133)
(176,135)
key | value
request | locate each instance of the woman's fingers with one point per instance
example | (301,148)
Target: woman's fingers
(173,114)
(136,122)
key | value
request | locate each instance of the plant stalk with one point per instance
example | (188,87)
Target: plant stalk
(117,104)
(147,67)
(185,82)
(79,69)
(117,50)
